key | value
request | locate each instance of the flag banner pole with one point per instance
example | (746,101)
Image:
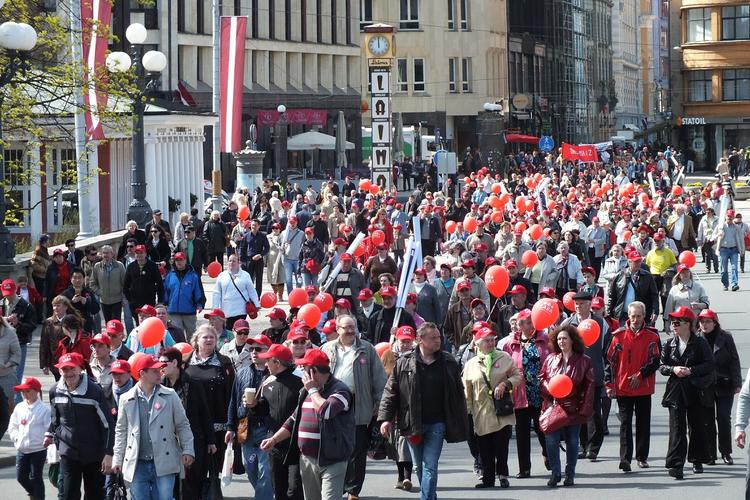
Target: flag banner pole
(335,272)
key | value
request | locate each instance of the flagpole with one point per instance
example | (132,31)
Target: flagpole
(216,82)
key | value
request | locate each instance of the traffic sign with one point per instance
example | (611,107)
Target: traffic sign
(546,143)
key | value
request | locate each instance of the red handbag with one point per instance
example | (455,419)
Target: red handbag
(553,418)
(251,310)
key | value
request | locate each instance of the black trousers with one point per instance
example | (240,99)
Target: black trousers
(287,483)
(195,475)
(30,473)
(641,406)
(356,468)
(592,432)
(218,257)
(428,246)
(524,419)
(493,448)
(112,311)
(596,262)
(606,407)
(473,446)
(710,257)
(73,471)
(721,420)
(4,413)
(687,436)
(255,269)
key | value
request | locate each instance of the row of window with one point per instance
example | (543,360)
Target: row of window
(735,24)
(457,13)
(735,85)
(459,75)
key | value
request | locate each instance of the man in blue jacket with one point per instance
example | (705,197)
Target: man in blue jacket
(183,294)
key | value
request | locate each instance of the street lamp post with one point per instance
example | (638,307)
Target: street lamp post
(280,145)
(17,39)
(147,68)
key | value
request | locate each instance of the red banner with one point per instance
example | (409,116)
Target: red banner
(580,153)
(269,117)
(95,18)
(232,64)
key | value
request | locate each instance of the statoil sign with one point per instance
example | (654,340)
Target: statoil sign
(691,120)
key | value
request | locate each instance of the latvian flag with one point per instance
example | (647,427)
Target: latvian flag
(232,64)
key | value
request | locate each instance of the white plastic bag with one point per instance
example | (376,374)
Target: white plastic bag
(226,468)
(52,456)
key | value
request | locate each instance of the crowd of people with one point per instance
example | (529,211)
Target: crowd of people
(479,331)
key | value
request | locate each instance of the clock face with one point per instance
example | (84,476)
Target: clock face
(379,45)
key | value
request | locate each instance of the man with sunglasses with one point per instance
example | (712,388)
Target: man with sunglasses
(195,250)
(236,349)
(250,377)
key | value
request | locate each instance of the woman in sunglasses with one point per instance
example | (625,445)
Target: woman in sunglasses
(688,362)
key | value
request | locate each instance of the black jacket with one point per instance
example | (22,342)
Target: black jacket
(143,286)
(82,426)
(727,363)
(139,236)
(26,316)
(645,291)
(401,398)
(88,310)
(193,398)
(381,322)
(698,387)
(276,402)
(77,256)
(50,280)
(253,244)
(214,234)
(124,353)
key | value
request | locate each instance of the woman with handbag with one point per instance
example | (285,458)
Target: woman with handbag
(728,383)
(561,418)
(489,378)
(687,360)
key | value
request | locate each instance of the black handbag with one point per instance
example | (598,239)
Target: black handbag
(504,405)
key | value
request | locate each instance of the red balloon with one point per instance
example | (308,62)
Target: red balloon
(213,269)
(568,301)
(450,226)
(560,386)
(374,189)
(496,188)
(310,314)
(530,205)
(324,301)
(520,227)
(521,204)
(688,258)
(535,231)
(364,184)
(677,190)
(495,202)
(552,205)
(298,297)
(627,235)
(544,313)
(467,180)
(606,186)
(505,198)
(151,332)
(132,360)
(590,331)
(529,258)
(244,212)
(497,280)
(268,300)
(377,237)
(470,223)
(497,216)
(382,347)
(184,348)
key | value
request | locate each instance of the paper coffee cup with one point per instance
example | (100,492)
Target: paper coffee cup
(250,395)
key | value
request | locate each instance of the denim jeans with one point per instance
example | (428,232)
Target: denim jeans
(570,434)
(309,279)
(127,316)
(147,485)
(290,267)
(728,255)
(30,473)
(257,464)
(19,370)
(426,456)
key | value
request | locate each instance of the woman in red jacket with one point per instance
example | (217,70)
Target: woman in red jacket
(74,340)
(567,358)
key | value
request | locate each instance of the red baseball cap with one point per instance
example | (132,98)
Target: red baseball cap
(8,287)
(388,291)
(260,340)
(29,383)
(364,294)
(70,360)
(464,285)
(708,313)
(420,271)
(478,325)
(511,263)
(140,249)
(340,242)
(276,313)
(518,289)
(483,333)
(297,334)
(114,326)
(329,327)
(147,309)
(279,352)
(547,291)
(406,333)
(597,303)
(682,267)
(411,298)
(634,256)
(311,289)
(344,304)
(241,325)
(180,256)
(119,366)
(526,313)
(346,256)
(215,312)
(101,338)
(314,357)
(147,363)
(477,303)
(309,230)
(684,313)
(469,263)
(60,251)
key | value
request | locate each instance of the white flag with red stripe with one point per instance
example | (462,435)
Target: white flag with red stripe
(95,17)
(232,64)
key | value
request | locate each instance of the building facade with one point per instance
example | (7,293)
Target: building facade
(451,58)
(714,115)
(604,100)
(626,64)
(656,60)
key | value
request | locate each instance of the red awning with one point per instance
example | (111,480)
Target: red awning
(521,138)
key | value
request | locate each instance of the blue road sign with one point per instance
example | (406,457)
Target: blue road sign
(546,143)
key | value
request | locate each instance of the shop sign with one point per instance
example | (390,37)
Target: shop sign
(691,120)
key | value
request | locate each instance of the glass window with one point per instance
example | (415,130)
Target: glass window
(150,15)
(365,14)
(735,23)
(451,15)
(334,30)
(699,25)
(409,15)
(419,75)
(452,71)
(466,74)
(699,86)
(271,19)
(402,83)
(464,14)
(736,85)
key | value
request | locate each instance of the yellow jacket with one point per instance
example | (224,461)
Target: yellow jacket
(478,398)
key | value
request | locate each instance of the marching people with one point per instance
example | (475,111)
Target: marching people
(233,291)
(183,294)
(28,424)
(107,283)
(143,283)
(18,313)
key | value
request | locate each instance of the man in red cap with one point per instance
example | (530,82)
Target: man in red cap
(631,284)
(82,428)
(153,439)
(253,248)
(279,328)
(311,257)
(514,250)
(382,322)
(101,359)
(235,349)
(378,264)
(143,282)
(596,241)
(355,362)
(323,427)
(134,343)
(19,314)
(291,247)
(348,282)
(28,423)
(183,294)
(478,287)
(115,330)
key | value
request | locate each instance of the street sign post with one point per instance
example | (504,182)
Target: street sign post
(546,143)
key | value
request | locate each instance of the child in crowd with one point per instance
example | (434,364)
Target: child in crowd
(28,423)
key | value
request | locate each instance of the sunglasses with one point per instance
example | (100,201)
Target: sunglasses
(677,321)
(130,246)
(164,361)
(256,349)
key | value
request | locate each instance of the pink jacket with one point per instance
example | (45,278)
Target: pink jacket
(541,340)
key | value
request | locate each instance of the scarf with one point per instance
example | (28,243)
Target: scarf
(63,278)
(487,361)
